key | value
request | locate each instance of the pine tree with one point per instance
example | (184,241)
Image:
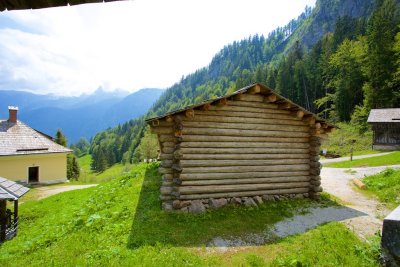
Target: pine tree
(348,80)
(75,168)
(381,33)
(60,138)
(102,161)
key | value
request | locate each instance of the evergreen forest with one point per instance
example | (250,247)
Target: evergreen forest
(339,60)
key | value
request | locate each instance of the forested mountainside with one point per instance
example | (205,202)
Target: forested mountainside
(339,59)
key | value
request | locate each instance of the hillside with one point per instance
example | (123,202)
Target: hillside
(81,116)
(121,223)
(325,60)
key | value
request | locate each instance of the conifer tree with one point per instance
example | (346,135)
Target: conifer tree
(382,30)
(60,138)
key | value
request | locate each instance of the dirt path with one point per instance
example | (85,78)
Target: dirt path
(337,182)
(361,214)
(46,191)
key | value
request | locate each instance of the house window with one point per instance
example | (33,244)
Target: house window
(33,174)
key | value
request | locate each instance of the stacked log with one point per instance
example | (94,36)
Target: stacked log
(239,150)
(315,168)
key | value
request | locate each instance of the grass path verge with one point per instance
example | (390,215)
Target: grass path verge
(385,160)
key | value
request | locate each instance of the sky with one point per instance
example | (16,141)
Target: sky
(126,45)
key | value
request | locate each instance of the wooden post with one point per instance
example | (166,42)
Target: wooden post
(255,89)
(16,216)
(3,221)
(222,102)
(351,149)
(309,119)
(189,113)
(206,107)
(238,97)
(285,105)
(300,114)
(315,168)
(271,98)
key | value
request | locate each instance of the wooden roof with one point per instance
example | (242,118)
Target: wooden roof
(20,139)
(384,115)
(255,88)
(10,190)
(35,4)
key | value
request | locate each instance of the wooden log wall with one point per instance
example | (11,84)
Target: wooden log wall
(242,147)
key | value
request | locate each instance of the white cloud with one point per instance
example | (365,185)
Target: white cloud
(127,44)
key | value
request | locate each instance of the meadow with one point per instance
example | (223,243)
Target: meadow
(121,223)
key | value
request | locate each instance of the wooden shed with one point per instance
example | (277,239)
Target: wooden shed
(9,191)
(386,128)
(253,143)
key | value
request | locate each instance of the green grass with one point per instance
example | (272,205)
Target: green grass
(386,160)
(89,176)
(120,223)
(385,186)
(340,141)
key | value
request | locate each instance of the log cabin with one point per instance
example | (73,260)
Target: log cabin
(253,143)
(386,128)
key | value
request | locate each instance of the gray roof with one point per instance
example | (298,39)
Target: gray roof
(20,139)
(384,115)
(10,190)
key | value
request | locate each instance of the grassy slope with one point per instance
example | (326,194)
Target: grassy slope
(89,176)
(120,223)
(339,142)
(386,186)
(386,160)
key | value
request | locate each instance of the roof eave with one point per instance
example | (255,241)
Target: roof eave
(240,91)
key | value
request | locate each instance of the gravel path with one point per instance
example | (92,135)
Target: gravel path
(46,191)
(295,225)
(337,182)
(361,214)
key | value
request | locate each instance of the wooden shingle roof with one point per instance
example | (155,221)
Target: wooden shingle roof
(10,190)
(35,4)
(384,115)
(255,88)
(20,139)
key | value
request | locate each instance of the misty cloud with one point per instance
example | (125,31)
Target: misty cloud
(127,44)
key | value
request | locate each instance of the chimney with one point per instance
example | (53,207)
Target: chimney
(13,114)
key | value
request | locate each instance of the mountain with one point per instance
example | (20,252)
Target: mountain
(295,60)
(81,116)
(324,17)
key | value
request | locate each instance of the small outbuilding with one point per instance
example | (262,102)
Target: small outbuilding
(386,128)
(11,192)
(30,156)
(247,146)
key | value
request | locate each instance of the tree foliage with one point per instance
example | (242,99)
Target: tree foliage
(353,66)
(60,138)
(73,170)
(148,147)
